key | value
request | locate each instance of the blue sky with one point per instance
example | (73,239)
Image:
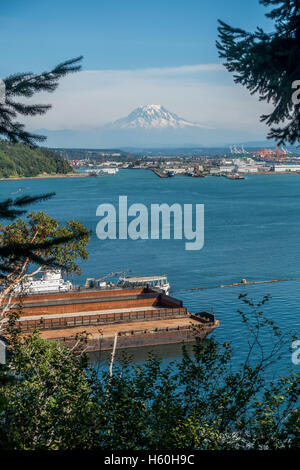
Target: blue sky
(117,34)
(131,37)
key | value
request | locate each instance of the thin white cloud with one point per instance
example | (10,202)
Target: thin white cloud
(184,69)
(203,93)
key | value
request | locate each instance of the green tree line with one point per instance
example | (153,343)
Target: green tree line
(17,159)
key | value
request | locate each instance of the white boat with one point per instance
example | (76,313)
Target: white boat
(160,282)
(102,171)
(51,281)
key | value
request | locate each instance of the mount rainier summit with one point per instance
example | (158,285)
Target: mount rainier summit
(148,125)
(152,116)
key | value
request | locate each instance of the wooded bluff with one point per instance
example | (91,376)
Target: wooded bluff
(18,159)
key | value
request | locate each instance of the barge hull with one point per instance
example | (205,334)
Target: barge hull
(147,339)
(139,317)
(163,332)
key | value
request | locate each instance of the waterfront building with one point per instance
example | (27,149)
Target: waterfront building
(280,168)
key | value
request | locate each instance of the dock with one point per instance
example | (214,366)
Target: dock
(160,173)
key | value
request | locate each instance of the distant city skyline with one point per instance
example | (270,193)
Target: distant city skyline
(135,53)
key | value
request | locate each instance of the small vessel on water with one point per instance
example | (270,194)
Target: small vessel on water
(234,176)
(160,282)
(51,281)
(170,174)
(102,172)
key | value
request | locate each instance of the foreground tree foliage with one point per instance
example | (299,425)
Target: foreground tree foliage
(35,235)
(269,64)
(26,85)
(18,86)
(41,242)
(204,402)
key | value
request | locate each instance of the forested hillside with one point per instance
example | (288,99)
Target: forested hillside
(22,160)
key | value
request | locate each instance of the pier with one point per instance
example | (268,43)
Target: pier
(160,173)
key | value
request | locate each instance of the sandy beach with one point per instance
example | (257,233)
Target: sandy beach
(45,176)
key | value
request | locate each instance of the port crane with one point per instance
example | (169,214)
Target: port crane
(235,150)
(271,155)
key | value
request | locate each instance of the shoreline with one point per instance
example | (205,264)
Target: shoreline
(45,176)
(85,175)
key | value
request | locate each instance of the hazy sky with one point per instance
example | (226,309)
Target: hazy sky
(135,53)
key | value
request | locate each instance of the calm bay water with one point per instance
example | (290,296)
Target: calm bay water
(252,231)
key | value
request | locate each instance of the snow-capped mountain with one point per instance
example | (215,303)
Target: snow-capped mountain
(149,125)
(152,116)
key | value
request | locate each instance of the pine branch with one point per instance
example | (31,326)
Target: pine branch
(268,64)
(8,208)
(19,252)
(27,85)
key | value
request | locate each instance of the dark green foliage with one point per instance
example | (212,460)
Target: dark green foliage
(26,85)
(51,246)
(41,240)
(53,384)
(17,159)
(18,247)
(268,64)
(10,209)
(21,160)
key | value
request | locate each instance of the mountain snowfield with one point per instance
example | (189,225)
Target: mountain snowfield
(150,125)
(152,116)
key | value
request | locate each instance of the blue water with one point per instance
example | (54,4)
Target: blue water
(252,231)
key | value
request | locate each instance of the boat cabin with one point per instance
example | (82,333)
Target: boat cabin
(160,282)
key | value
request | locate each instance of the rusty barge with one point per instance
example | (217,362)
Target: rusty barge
(139,317)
